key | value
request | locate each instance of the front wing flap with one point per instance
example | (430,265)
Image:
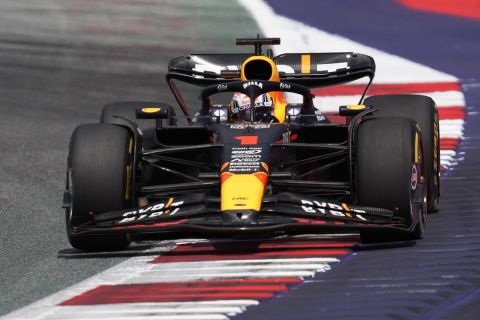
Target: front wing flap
(284,213)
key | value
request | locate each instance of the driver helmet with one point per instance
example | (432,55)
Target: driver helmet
(263,110)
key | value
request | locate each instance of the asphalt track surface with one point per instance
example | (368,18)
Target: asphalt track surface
(60,62)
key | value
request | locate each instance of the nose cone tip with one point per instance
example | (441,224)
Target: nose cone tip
(239,218)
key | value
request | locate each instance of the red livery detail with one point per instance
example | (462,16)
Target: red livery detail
(247,140)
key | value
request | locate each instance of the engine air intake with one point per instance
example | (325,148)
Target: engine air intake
(258,70)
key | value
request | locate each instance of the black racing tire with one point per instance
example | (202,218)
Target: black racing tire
(424,111)
(99,180)
(387,151)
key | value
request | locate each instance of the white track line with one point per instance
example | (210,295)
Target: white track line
(149,317)
(247,266)
(255,261)
(134,310)
(205,275)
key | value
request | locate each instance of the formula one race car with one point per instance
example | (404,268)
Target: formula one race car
(254,165)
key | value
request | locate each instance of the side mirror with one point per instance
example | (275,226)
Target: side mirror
(154,111)
(353,110)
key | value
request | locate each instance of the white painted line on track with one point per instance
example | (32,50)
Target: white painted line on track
(448,152)
(151,317)
(273,266)
(256,261)
(137,309)
(242,303)
(225,275)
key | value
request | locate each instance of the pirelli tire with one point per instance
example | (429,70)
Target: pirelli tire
(424,111)
(390,173)
(99,180)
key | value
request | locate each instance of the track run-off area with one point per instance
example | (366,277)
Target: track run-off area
(62,60)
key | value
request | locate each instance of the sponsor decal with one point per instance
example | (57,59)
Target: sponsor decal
(332,67)
(320,116)
(245,159)
(286,86)
(414,177)
(252,83)
(331,209)
(222,87)
(240,198)
(205,66)
(156,210)
(250,125)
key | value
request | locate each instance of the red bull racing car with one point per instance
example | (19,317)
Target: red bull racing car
(254,165)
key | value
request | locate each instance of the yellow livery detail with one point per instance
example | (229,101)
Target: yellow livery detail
(416,149)
(265,166)
(129,171)
(150,110)
(128,179)
(356,107)
(242,192)
(305,66)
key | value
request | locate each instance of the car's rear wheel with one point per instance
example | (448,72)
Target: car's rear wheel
(423,110)
(389,167)
(99,180)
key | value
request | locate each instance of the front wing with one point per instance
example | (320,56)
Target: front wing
(284,213)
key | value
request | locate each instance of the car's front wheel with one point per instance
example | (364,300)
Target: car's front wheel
(390,171)
(421,109)
(99,180)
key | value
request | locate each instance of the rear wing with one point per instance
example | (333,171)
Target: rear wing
(312,70)
(324,69)
(309,69)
